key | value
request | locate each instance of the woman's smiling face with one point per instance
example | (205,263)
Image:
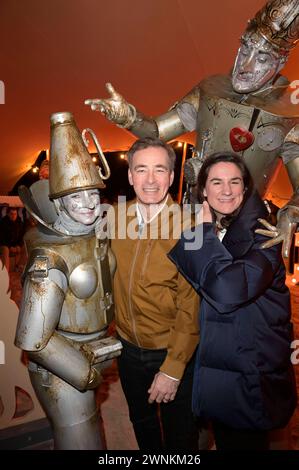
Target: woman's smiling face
(224,188)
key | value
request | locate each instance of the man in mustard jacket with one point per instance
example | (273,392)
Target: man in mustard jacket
(156,308)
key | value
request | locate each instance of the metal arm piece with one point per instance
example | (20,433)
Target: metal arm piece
(180,118)
(166,126)
(293,135)
(293,172)
(290,156)
(64,360)
(288,215)
(39,313)
(143,126)
(292,207)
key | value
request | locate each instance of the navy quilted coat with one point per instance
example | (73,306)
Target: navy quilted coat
(243,375)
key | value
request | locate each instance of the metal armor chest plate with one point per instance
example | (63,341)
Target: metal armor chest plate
(254,133)
(83,310)
(83,281)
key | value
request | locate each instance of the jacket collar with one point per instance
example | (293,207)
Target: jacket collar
(239,237)
(158,224)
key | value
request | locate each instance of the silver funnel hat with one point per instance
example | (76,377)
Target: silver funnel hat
(71,166)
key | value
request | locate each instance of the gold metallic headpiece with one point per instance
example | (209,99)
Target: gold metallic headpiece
(278,23)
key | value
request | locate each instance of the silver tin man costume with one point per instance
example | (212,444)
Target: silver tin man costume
(67,300)
(250,112)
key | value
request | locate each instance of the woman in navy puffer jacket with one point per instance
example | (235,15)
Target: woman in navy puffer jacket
(243,380)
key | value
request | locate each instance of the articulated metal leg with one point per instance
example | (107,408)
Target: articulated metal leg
(73,414)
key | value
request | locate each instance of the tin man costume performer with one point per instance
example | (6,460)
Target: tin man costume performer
(67,299)
(249,112)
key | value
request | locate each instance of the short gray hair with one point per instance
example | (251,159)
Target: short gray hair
(147,142)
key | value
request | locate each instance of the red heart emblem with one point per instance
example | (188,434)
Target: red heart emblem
(240,138)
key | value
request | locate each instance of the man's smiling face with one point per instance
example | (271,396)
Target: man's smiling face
(150,175)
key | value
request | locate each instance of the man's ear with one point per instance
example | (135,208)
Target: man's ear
(130,177)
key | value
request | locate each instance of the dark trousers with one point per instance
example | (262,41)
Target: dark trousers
(227,438)
(170,426)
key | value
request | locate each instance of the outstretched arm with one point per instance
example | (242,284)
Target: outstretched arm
(179,119)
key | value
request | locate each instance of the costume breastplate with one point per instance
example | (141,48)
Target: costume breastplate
(83,281)
(254,130)
(85,307)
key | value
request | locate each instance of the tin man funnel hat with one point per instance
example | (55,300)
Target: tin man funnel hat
(71,166)
(278,23)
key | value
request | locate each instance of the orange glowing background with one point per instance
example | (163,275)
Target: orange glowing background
(56,53)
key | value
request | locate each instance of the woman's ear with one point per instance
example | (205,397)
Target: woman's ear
(204,193)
